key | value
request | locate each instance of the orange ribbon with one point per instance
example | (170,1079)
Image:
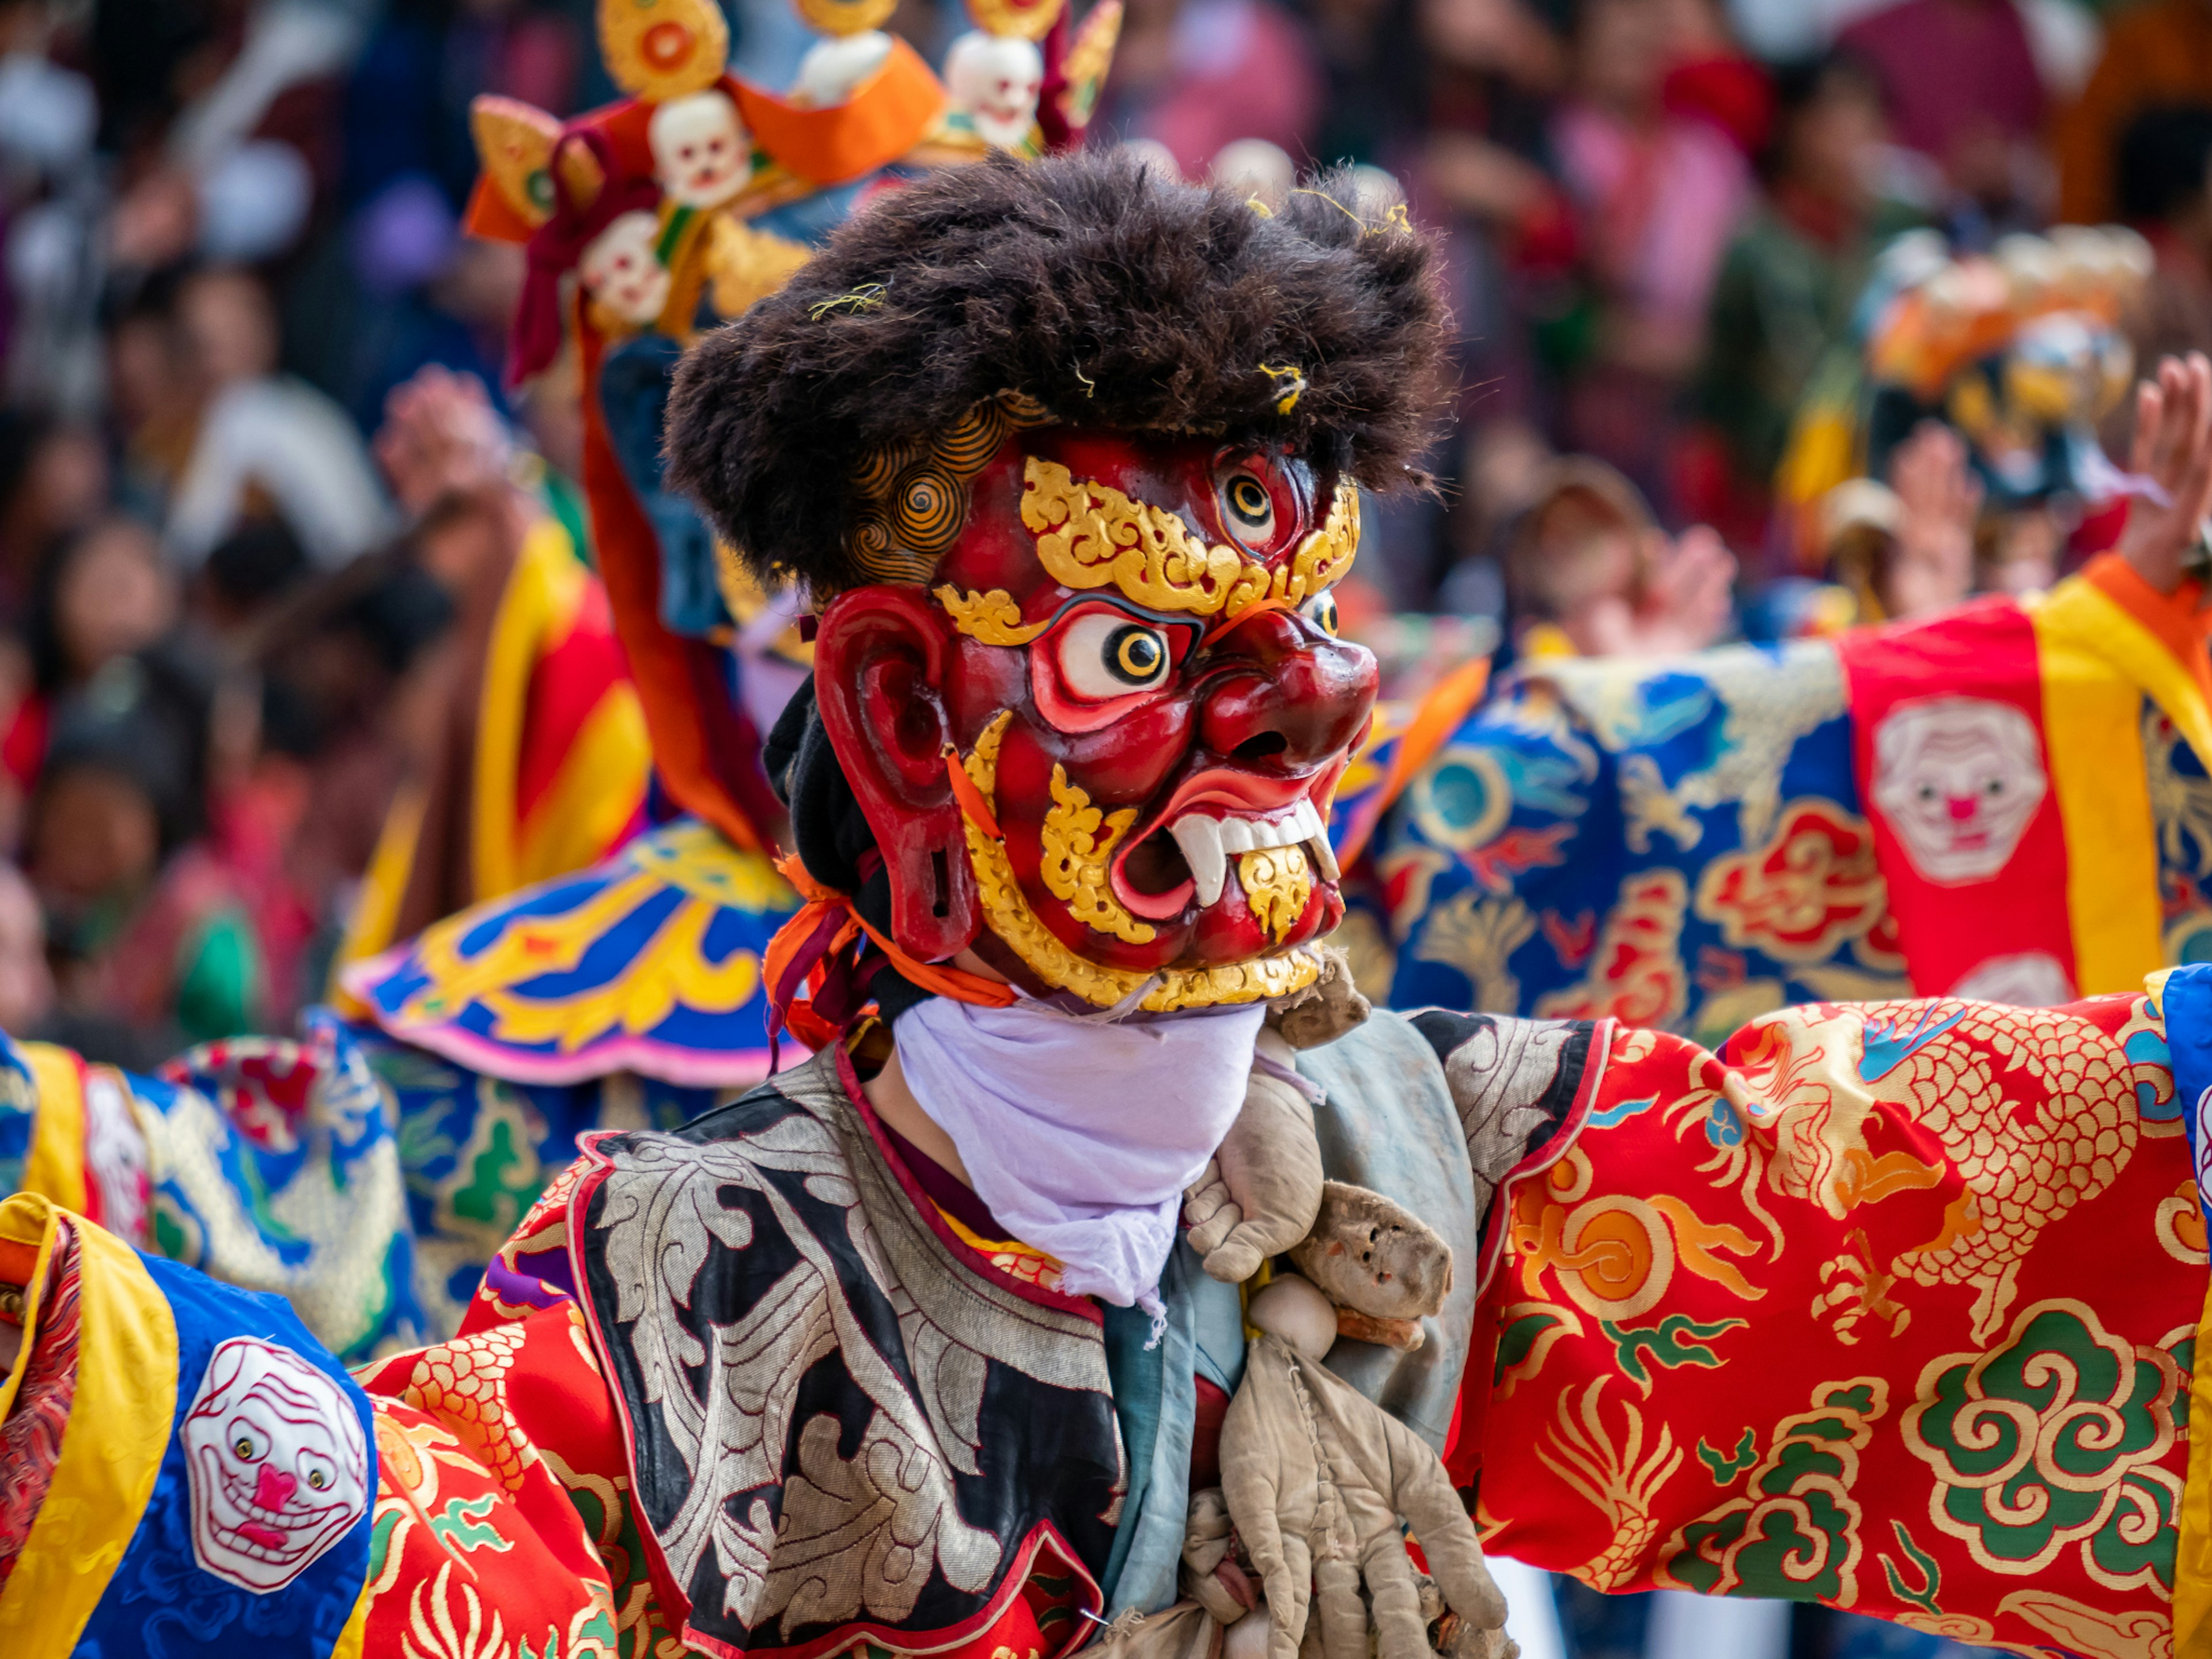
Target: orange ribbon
(800,951)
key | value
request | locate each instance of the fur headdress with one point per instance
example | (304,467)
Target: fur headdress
(1112,296)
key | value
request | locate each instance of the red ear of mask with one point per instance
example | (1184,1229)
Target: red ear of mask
(879,664)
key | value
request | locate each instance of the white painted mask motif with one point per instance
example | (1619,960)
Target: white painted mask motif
(276,1463)
(621,271)
(700,154)
(1959,779)
(997,79)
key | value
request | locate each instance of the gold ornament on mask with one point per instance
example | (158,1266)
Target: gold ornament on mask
(846,16)
(1031,19)
(1277,882)
(1078,839)
(1083,70)
(745,265)
(1007,914)
(657,49)
(1090,535)
(515,142)
(992,618)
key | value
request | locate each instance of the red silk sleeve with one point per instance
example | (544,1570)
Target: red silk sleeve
(1890,1306)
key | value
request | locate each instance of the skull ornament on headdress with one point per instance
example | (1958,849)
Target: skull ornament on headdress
(276,1462)
(1067,456)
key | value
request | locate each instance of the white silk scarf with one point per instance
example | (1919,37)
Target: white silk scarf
(1081,1129)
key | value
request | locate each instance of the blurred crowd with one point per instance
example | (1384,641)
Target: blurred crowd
(258,461)
(260,468)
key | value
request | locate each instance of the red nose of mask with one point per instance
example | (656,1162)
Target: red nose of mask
(273,1491)
(1287,697)
(1962,807)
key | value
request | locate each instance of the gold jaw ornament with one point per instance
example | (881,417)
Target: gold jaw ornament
(1007,913)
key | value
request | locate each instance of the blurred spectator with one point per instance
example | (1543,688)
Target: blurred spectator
(345,667)
(1493,67)
(407,100)
(1657,195)
(2157,54)
(1505,464)
(1372,67)
(1482,169)
(26,983)
(1589,573)
(1708,75)
(1196,75)
(101,595)
(154,394)
(147,927)
(107,594)
(265,442)
(1907,550)
(1964,90)
(1793,274)
(2164,189)
(53,482)
(245,577)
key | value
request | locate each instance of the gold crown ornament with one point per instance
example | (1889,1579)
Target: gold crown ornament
(657,49)
(1031,19)
(515,142)
(842,17)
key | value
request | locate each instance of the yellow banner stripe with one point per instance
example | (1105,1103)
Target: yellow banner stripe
(118,1430)
(2098,664)
(55,1168)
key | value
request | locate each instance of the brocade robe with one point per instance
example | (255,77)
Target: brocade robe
(1890,1306)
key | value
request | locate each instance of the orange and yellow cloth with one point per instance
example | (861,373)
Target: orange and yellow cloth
(560,762)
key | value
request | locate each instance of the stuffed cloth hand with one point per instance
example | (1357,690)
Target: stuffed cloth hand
(1317,1479)
(1259,1193)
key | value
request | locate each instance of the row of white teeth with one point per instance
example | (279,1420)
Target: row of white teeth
(1207,843)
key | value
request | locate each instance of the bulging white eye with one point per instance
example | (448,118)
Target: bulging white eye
(1105,655)
(1246,508)
(317,1472)
(1321,611)
(247,1443)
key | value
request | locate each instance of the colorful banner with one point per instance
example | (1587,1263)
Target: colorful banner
(1948,750)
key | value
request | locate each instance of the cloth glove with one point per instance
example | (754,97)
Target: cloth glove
(1317,1478)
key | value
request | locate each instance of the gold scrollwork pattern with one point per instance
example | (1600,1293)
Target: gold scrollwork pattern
(1007,914)
(1078,839)
(1091,535)
(992,618)
(1277,882)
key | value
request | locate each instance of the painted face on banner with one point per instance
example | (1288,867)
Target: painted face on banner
(1959,779)
(1130,645)
(276,1463)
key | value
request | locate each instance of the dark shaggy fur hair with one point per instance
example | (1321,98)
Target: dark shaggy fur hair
(1115,297)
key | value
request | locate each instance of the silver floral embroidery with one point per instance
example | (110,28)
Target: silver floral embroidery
(855,1537)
